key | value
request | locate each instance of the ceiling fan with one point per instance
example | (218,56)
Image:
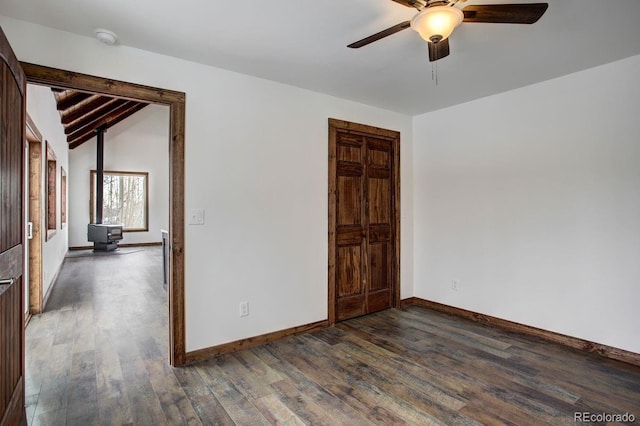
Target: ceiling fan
(437,19)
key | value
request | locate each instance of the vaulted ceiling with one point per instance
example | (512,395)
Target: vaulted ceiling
(303,43)
(83,113)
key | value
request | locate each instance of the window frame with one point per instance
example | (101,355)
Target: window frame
(92,183)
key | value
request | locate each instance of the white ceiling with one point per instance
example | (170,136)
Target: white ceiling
(303,43)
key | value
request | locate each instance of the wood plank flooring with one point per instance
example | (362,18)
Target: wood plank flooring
(98,356)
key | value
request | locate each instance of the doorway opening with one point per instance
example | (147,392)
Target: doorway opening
(60,79)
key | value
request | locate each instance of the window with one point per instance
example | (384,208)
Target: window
(52,219)
(125,200)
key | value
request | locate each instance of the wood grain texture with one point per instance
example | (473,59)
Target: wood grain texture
(380,35)
(109,119)
(364,219)
(12,236)
(82,114)
(57,78)
(88,365)
(527,13)
(11,160)
(569,341)
(11,319)
(62,79)
(238,345)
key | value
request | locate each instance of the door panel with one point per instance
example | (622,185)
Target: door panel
(10,176)
(379,196)
(349,202)
(363,220)
(379,158)
(350,291)
(349,150)
(378,266)
(12,89)
(349,279)
(380,223)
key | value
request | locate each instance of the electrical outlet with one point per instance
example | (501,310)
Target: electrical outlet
(244,309)
(455,286)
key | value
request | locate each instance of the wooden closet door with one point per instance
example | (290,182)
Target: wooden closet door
(362,222)
(379,220)
(351,243)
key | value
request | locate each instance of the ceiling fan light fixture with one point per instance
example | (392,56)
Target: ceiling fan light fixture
(436,23)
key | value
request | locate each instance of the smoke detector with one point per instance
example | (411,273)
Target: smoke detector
(106,36)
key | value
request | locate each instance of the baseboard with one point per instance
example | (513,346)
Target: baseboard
(54,279)
(152,244)
(238,345)
(572,342)
(409,301)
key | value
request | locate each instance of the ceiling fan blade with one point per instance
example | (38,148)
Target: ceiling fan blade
(415,4)
(382,34)
(438,50)
(523,13)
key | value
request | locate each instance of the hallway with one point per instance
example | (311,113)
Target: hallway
(104,329)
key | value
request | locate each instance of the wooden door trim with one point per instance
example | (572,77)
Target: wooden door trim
(53,77)
(34,193)
(334,126)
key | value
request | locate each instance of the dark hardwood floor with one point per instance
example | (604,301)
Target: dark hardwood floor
(98,355)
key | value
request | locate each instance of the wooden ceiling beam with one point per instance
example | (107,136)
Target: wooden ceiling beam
(94,116)
(69,98)
(113,118)
(81,113)
(72,114)
(103,121)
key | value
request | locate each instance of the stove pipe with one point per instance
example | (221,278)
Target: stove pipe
(100,173)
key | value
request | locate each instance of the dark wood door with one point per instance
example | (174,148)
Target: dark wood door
(12,112)
(364,219)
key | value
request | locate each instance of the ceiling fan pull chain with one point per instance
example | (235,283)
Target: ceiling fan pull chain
(434,71)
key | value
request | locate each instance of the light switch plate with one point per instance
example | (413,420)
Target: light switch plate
(196,217)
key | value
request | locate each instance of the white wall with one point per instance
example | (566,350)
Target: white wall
(41,106)
(138,144)
(531,201)
(256,161)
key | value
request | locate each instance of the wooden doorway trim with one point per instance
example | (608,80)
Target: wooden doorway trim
(57,78)
(34,193)
(346,126)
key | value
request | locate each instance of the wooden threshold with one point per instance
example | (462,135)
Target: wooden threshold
(551,336)
(250,342)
